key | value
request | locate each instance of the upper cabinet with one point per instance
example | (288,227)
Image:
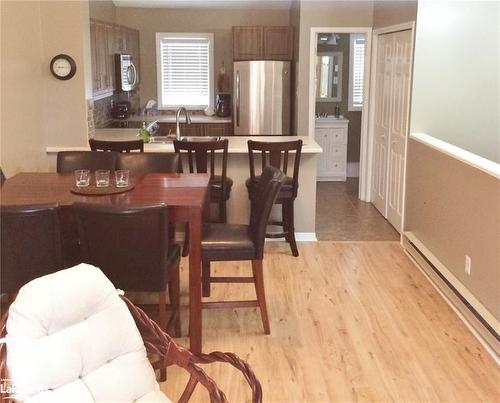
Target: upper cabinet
(278,43)
(106,40)
(262,43)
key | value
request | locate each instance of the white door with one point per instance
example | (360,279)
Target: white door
(399,126)
(392,91)
(383,92)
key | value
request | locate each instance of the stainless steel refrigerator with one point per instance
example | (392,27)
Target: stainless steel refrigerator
(261,101)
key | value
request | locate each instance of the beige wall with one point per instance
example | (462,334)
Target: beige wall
(22,117)
(323,14)
(37,109)
(103,10)
(217,21)
(454,210)
(387,13)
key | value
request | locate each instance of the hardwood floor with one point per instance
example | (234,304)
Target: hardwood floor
(341,216)
(349,322)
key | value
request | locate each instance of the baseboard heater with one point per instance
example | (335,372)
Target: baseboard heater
(474,318)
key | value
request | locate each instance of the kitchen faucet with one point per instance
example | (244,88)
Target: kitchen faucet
(177,119)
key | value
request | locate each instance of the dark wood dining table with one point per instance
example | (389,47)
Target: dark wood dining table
(186,196)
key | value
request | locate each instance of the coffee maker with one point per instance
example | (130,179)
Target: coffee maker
(223,105)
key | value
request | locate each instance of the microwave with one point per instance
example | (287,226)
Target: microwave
(126,73)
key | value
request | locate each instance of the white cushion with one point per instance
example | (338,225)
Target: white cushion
(70,338)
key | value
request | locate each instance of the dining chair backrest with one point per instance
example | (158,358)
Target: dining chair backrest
(68,161)
(118,146)
(283,155)
(128,243)
(266,192)
(30,243)
(148,162)
(2,177)
(200,155)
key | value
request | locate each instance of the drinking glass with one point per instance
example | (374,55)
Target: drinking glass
(122,178)
(82,178)
(102,178)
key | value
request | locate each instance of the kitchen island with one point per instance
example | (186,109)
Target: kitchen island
(238,206)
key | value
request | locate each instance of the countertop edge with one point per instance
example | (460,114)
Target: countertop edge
(311,147)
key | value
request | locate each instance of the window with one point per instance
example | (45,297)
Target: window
(184,64)
(356,71)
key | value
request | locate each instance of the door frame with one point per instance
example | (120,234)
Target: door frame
(410,25)
(364,167)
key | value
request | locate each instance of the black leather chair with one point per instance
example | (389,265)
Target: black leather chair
(281,155)
(223,242)
(130,245)
(30,244)
(69,161)
(148,162)
(118,146)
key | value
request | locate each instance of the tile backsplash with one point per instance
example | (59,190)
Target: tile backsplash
(102,111)
(102,107)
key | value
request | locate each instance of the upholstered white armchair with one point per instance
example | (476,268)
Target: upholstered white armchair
(70,337)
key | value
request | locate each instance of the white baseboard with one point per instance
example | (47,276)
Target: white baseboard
(353,169)
(448,286)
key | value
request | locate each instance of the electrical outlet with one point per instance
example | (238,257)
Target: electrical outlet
(468,264)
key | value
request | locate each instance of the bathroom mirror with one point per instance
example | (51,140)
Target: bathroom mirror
(329,77)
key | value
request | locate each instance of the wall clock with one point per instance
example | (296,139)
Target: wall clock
(62,67)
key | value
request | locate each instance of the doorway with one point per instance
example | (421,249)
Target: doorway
(349,205)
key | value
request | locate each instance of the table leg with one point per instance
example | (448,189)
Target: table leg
(195,227)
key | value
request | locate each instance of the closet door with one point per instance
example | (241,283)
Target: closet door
(383,92)
(401,67)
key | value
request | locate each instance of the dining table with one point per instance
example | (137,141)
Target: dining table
(186,195)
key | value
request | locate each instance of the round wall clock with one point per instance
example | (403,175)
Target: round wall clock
(63,67)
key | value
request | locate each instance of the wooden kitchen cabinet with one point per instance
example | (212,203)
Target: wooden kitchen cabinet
(247,43)
(263,43)
(278,43)
(101,77)
(218,129)
(197,129)
(106,40)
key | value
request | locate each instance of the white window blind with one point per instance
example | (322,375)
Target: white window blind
(185,70)
(356,71)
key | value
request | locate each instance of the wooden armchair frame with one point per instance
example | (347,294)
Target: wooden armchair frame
(161,344)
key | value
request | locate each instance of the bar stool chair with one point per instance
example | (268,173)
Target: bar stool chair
(277,154)
(118,146)
(220,185)
(234,242)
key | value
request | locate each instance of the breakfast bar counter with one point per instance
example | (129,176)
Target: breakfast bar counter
(238,206)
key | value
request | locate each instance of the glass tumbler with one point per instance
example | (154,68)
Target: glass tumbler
(122,178)
(82,178)
(102,178)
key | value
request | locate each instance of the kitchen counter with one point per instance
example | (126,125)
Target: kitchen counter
(171,119)
(238,207)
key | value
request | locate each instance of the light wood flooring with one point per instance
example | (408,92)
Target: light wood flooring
(350,322)
(341,216)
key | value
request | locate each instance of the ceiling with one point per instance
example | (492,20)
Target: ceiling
(204,3)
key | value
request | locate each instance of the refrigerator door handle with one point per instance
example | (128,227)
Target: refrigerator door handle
(237,98)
